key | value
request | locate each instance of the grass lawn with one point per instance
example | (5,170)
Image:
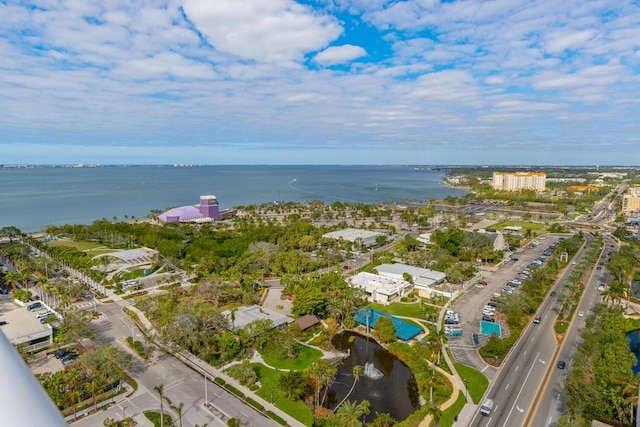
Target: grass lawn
(135,274)
(269,381)
(446,420)
(154,417)
(399,309)
(281,361)
(477,383)
(91,247)
(525,225)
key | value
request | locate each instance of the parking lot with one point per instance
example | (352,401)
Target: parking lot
(472,304)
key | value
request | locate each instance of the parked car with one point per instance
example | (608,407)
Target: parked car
(561,364)
(45,318)
(69,358)
(35,306)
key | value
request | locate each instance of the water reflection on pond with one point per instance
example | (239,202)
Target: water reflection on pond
(396,392)
(634,345)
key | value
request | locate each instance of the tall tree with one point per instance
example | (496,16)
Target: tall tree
(178,411)
(160,390)
(357,371)
(350,414)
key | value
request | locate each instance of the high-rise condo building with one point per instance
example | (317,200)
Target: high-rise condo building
(516,181)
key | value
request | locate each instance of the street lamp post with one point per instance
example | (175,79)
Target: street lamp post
(466,388)
(272,395)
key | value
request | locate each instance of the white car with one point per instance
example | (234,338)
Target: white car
(580,313)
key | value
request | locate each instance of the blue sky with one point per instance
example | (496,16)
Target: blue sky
(320,82)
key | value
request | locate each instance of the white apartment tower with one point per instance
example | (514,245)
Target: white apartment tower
(631,201)
(516,181)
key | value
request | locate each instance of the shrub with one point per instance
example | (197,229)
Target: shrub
(276,418)
(21,295)
(255,404)
(234,390)
(137,347)
(219,381)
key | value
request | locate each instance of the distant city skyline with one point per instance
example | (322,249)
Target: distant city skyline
(320,82)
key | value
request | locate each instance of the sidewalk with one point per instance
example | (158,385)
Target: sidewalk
(211,373)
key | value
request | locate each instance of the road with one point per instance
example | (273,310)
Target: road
(181,384)
(470,306)
(521,375)
(551,402)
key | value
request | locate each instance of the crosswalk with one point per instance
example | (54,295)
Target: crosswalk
(85,304)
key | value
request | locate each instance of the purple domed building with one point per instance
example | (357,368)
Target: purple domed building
(207,210)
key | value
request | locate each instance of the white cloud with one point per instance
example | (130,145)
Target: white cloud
(236,74)
(559,41)
(339,54)
(277,31)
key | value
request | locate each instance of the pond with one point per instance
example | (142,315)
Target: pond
(394,392)
(634,345)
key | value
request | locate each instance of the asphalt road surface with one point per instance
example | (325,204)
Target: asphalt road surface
(521,375)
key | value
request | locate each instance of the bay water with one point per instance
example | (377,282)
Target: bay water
(32,198)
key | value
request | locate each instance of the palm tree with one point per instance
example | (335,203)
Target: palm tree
(42,281)
(92,387)
(350,413)
(76,397)
(178,411)
(436,413)
(12,277)
(160,390)
(617,292)
(335,308)
(24,276)
(328,375)
(383,420)
(357,371)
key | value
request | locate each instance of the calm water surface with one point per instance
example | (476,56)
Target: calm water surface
(31,199)
(396,393)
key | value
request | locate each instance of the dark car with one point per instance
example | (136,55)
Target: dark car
(553,293)
(35,306)
(3,291)
(61,352)
(561,364)
(69,358)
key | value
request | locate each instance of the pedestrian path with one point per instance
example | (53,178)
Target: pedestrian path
(212,372)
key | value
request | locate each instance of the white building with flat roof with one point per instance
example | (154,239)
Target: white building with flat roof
(380,289)
(631,201)
(245,315)
(424,280)
(22,327)
(365,238)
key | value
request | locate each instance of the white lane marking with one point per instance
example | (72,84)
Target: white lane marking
(507,387)
(516,370)
(521,388)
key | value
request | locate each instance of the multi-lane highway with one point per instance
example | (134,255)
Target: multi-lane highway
(532,364)
(549,405)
